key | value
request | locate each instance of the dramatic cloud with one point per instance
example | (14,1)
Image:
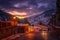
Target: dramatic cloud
(20,3)
(30,6)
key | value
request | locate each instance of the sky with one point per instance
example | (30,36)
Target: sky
(27,6)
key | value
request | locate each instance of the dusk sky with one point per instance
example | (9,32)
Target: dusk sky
(27,6)
(30,8)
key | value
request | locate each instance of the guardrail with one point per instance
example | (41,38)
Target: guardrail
(7,23)
(8,31)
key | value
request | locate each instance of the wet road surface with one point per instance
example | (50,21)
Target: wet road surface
(39,35)
(30,36)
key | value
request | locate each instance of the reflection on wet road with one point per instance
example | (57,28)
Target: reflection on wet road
(44,35)
(33,35)
(41,35)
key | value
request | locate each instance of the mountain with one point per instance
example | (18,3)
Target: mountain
(43,18)
(5,16)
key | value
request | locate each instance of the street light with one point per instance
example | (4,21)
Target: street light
(14,19)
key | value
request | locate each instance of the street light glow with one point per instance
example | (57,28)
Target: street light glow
(14,17)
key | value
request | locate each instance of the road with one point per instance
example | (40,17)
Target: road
(34,35)
(40,35)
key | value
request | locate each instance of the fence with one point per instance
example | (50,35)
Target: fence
(10,28)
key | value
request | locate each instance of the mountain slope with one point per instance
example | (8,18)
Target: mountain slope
(43,18)
(4,16)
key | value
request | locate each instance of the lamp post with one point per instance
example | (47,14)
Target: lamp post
(14,19)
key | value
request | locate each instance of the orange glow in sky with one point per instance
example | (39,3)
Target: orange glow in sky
(17,13)
(20,17)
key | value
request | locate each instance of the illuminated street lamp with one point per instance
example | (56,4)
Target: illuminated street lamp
(14,19)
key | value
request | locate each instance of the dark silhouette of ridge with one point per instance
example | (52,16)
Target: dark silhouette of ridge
(5,16)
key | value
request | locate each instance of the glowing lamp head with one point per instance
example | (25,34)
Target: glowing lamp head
(14,17)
